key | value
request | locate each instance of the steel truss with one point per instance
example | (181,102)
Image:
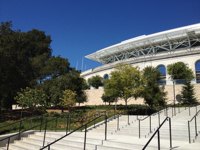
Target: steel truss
(166,45)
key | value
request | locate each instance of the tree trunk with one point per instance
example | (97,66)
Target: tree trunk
(126,103)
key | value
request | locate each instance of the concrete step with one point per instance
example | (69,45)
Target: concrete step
(17,147)
(124,139)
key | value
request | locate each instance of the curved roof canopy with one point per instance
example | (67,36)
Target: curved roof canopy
(165,41)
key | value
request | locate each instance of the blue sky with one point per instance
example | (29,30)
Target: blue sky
(80,27)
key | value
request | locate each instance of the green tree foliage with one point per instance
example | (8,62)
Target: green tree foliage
(180,70)
(187,94)
(55,87)
(68,99)
(153,94)
(124,83)
(95,81)
(85,85)
(31,98)
(57,66)
(26,61)
(110,94)
(108,98)
(17,52)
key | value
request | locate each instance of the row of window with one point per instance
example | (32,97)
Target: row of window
(162,70)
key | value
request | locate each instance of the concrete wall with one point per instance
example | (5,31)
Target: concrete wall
(94,95)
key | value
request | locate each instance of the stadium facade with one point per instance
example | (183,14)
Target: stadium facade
(157,50)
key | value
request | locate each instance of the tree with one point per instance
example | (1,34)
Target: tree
(124,82)
(95,81)
(68,99)
(26,61)
(108,98)
(31,98)
(153,94)
(17,53)
(110,94)
(57,66)
(55,86)
(85,85)
(180,70)
(187,94)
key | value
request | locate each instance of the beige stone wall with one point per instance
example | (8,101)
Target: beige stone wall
(94,95)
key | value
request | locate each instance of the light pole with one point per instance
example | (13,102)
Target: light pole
(174,97)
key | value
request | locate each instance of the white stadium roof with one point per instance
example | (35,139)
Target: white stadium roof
(138,45)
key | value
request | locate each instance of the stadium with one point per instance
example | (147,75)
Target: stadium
(157,50)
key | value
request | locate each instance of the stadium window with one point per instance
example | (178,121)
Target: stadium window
(162,70)
(105,76)
(197,70)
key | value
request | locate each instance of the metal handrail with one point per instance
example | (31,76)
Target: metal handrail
(17,122)
(189,121)
(85,127)
(20,132)
(150,130)
(158,132)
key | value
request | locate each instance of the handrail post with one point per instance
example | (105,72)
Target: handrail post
(94,122)
(41,123)
(196,109)
(20,125)
(31,123)
(158,139)
(56,124)
(68,123)
(45,129)
(172,111)
(189,131)
(189,110)
(150,124)
(118,122)
(139,128)
(85,136)
(128,118)
(195,127)
(167,111)
(159,118)
(8,143)
(105,126)
(170,133)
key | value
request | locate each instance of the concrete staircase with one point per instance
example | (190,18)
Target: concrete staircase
(122,137)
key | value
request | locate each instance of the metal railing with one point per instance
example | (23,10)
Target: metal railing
(175,109)
(158,133)
(14,126)
(150,129)
(39,125)
(195,125)
(79,128)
